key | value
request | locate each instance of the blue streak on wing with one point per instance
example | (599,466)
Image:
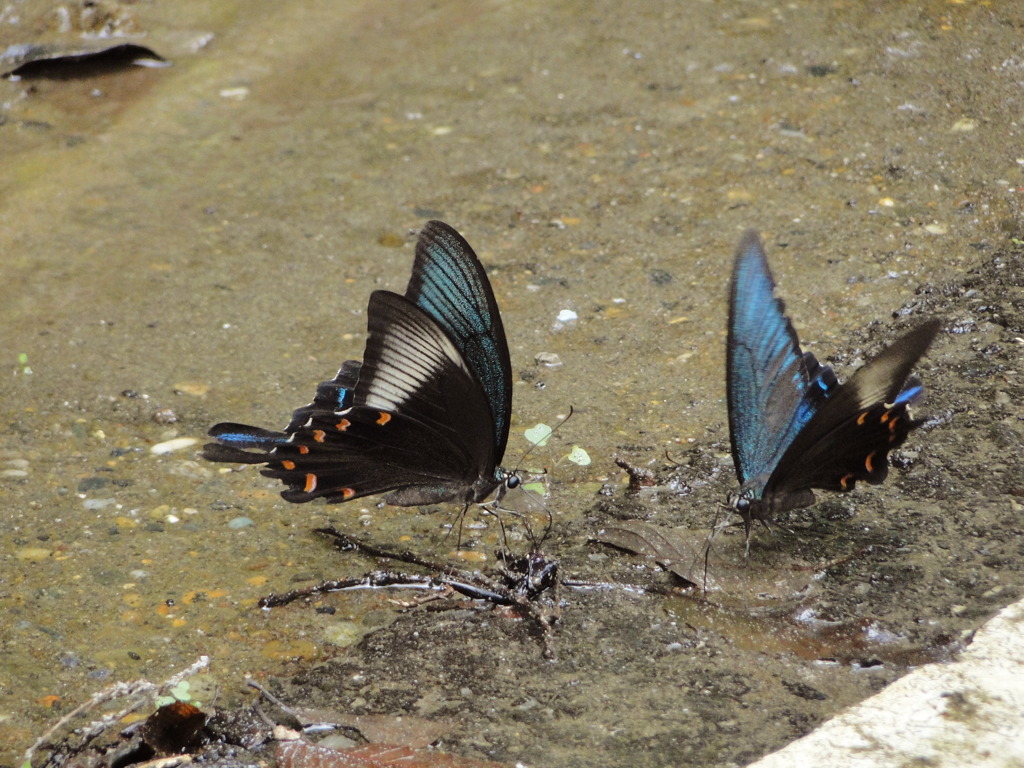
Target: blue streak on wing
(449,283)
(244,436)
(910,393)
(774,389)
(331,396)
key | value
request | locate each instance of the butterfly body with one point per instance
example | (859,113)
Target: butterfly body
(423,418)
(793,427)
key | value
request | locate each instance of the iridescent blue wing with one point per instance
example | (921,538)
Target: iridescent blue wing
(793,426)
(449,283)
(773,388)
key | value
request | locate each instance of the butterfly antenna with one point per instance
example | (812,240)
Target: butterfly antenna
(535,542)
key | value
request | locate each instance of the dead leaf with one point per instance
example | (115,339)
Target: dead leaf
(78,61)
(763,583)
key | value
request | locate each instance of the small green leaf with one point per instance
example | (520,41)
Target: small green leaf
(539,434)
(182,691)
(579,456)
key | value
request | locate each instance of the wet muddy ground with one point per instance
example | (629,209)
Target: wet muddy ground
(187,245)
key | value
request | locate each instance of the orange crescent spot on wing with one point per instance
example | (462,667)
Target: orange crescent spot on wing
(869,462)
(303,449)
(289,465)
(844,482)
(310,483)
(348,493)
(384,418)
(861,418)
(319,435)
(342,425)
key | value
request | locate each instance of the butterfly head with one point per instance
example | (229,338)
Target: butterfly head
(506,480)
(739,502)
(745,505)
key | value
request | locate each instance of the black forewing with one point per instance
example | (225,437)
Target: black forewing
(418,423)
(449,283)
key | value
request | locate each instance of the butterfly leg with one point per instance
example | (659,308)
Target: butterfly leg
(495,508)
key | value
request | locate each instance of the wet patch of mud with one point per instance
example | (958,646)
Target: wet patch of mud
(904,574)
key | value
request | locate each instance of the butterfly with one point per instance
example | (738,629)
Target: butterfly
(424,418)
(792,425)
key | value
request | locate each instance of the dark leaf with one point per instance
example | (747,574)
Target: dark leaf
(63,63)
(762,583)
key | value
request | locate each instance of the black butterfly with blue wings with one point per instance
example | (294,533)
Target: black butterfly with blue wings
(424,418)
(793,426)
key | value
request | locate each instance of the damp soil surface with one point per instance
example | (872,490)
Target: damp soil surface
(901,576)
(197,243)
(837,600)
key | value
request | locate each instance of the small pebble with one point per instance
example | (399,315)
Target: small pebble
(548,359)
(963,125)
(239,93)
(566,319)
(193,388)
(32,554)
(92,483)
(240,522)
(95,504)
(660,276)
(169,446)
(165,416)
